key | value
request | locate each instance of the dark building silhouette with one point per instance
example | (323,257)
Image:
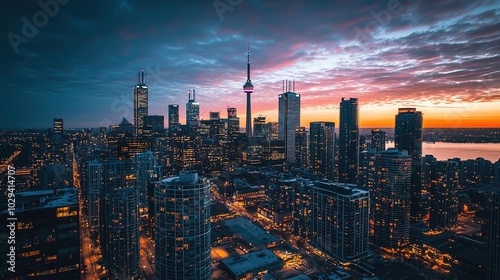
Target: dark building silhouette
(173,117)
(444,182)
(348,141)
(378,140)
(367,169)
(153,125)
(259,124)
(301,147)
(408,136)
(321,148)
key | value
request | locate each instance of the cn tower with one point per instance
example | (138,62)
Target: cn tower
(248,88)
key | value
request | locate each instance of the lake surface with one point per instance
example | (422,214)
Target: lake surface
(445,150)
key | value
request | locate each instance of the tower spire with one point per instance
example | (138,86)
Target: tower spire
(248,64)
(248,89)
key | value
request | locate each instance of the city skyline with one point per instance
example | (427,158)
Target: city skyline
(438,58)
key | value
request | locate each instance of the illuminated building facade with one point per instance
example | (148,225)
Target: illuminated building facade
(93,191)
(378,138)
(145,173)
(47,238)
(182,228)
(192,112)
(408,136)
(339,220)
(444,182)
(120,220)
(140,103)
(321,149)
(391,199)
(301,147)
(288,119)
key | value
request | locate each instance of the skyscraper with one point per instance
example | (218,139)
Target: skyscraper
(140,103)
(378,140)
(145,173)
(321,148)
(348,141)
(58,129)
(367,170)
(301,148)
(444,182)
(288,118)
(233,122)
(391,199)
(339,220)
(248,88)
(173,116)
(58,126)
(192,112)
(120,220)
(259,124)
(93,189)
(408,136)
(182,228)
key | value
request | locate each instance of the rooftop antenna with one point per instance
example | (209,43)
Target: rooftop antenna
(189,95)
(293,85)
(194,96)
(142,76)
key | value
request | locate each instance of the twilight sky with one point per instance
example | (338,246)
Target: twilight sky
(81,62)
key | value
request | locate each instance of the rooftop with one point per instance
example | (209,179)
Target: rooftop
(252,233)
(258,260)
(30,200)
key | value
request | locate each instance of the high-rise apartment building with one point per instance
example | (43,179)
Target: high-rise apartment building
(173,117)
(339,220)
(408,136)
(349,141)
(378,139)
(301,147)
(120,220)
(192,112)
(321,148)
(444,183)
(182,228)
(288,119)
(391,199)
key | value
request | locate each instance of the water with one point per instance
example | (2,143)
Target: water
(445,150)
